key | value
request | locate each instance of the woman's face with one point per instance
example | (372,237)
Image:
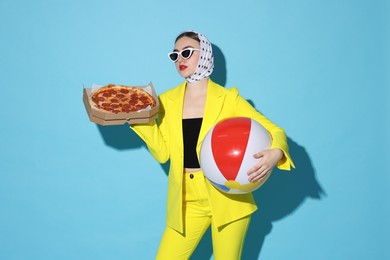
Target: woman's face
(187,67)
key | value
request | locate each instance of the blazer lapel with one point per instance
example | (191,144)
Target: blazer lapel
(214,103)
(176,99)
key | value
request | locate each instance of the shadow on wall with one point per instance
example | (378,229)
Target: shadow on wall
(120,137)
(279,197)
(219,72)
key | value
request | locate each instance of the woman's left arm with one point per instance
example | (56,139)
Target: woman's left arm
(278,154)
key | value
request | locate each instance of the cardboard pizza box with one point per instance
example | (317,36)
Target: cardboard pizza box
(104,118)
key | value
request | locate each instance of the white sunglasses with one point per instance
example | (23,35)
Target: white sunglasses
(186,54)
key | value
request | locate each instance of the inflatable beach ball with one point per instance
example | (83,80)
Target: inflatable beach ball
(227,153)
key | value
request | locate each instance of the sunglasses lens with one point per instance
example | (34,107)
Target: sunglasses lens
(173,56)
(186,53)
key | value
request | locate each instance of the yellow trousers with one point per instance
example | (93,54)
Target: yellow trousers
(228,241)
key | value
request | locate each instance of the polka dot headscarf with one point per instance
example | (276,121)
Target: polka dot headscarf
(206,60)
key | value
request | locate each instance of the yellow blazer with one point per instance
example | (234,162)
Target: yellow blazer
(165,142)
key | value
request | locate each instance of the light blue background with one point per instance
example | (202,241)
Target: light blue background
(72,190)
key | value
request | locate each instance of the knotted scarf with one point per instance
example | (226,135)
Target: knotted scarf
(206,60)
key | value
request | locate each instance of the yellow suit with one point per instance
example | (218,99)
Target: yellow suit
(165,141)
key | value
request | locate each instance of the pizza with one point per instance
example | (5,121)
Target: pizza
(117,98)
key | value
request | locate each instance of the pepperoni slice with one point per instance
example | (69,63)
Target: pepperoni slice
(120,95)
(114,100)
(106,94)
(124,91)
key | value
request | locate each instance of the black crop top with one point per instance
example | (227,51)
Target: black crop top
(191,129)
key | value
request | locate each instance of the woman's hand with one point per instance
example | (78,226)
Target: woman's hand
(269,159)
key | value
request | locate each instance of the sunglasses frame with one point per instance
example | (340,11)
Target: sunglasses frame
(179,53)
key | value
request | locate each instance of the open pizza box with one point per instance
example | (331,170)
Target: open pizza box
(104,118)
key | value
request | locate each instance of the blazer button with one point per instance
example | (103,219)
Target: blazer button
(191,176)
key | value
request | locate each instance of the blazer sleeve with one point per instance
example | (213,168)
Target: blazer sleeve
(153,134)
(278,135)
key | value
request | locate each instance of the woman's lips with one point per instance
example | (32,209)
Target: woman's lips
(182,67)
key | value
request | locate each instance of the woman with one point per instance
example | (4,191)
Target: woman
(187,112)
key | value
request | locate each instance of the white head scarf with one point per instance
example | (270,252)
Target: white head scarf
(206,60)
